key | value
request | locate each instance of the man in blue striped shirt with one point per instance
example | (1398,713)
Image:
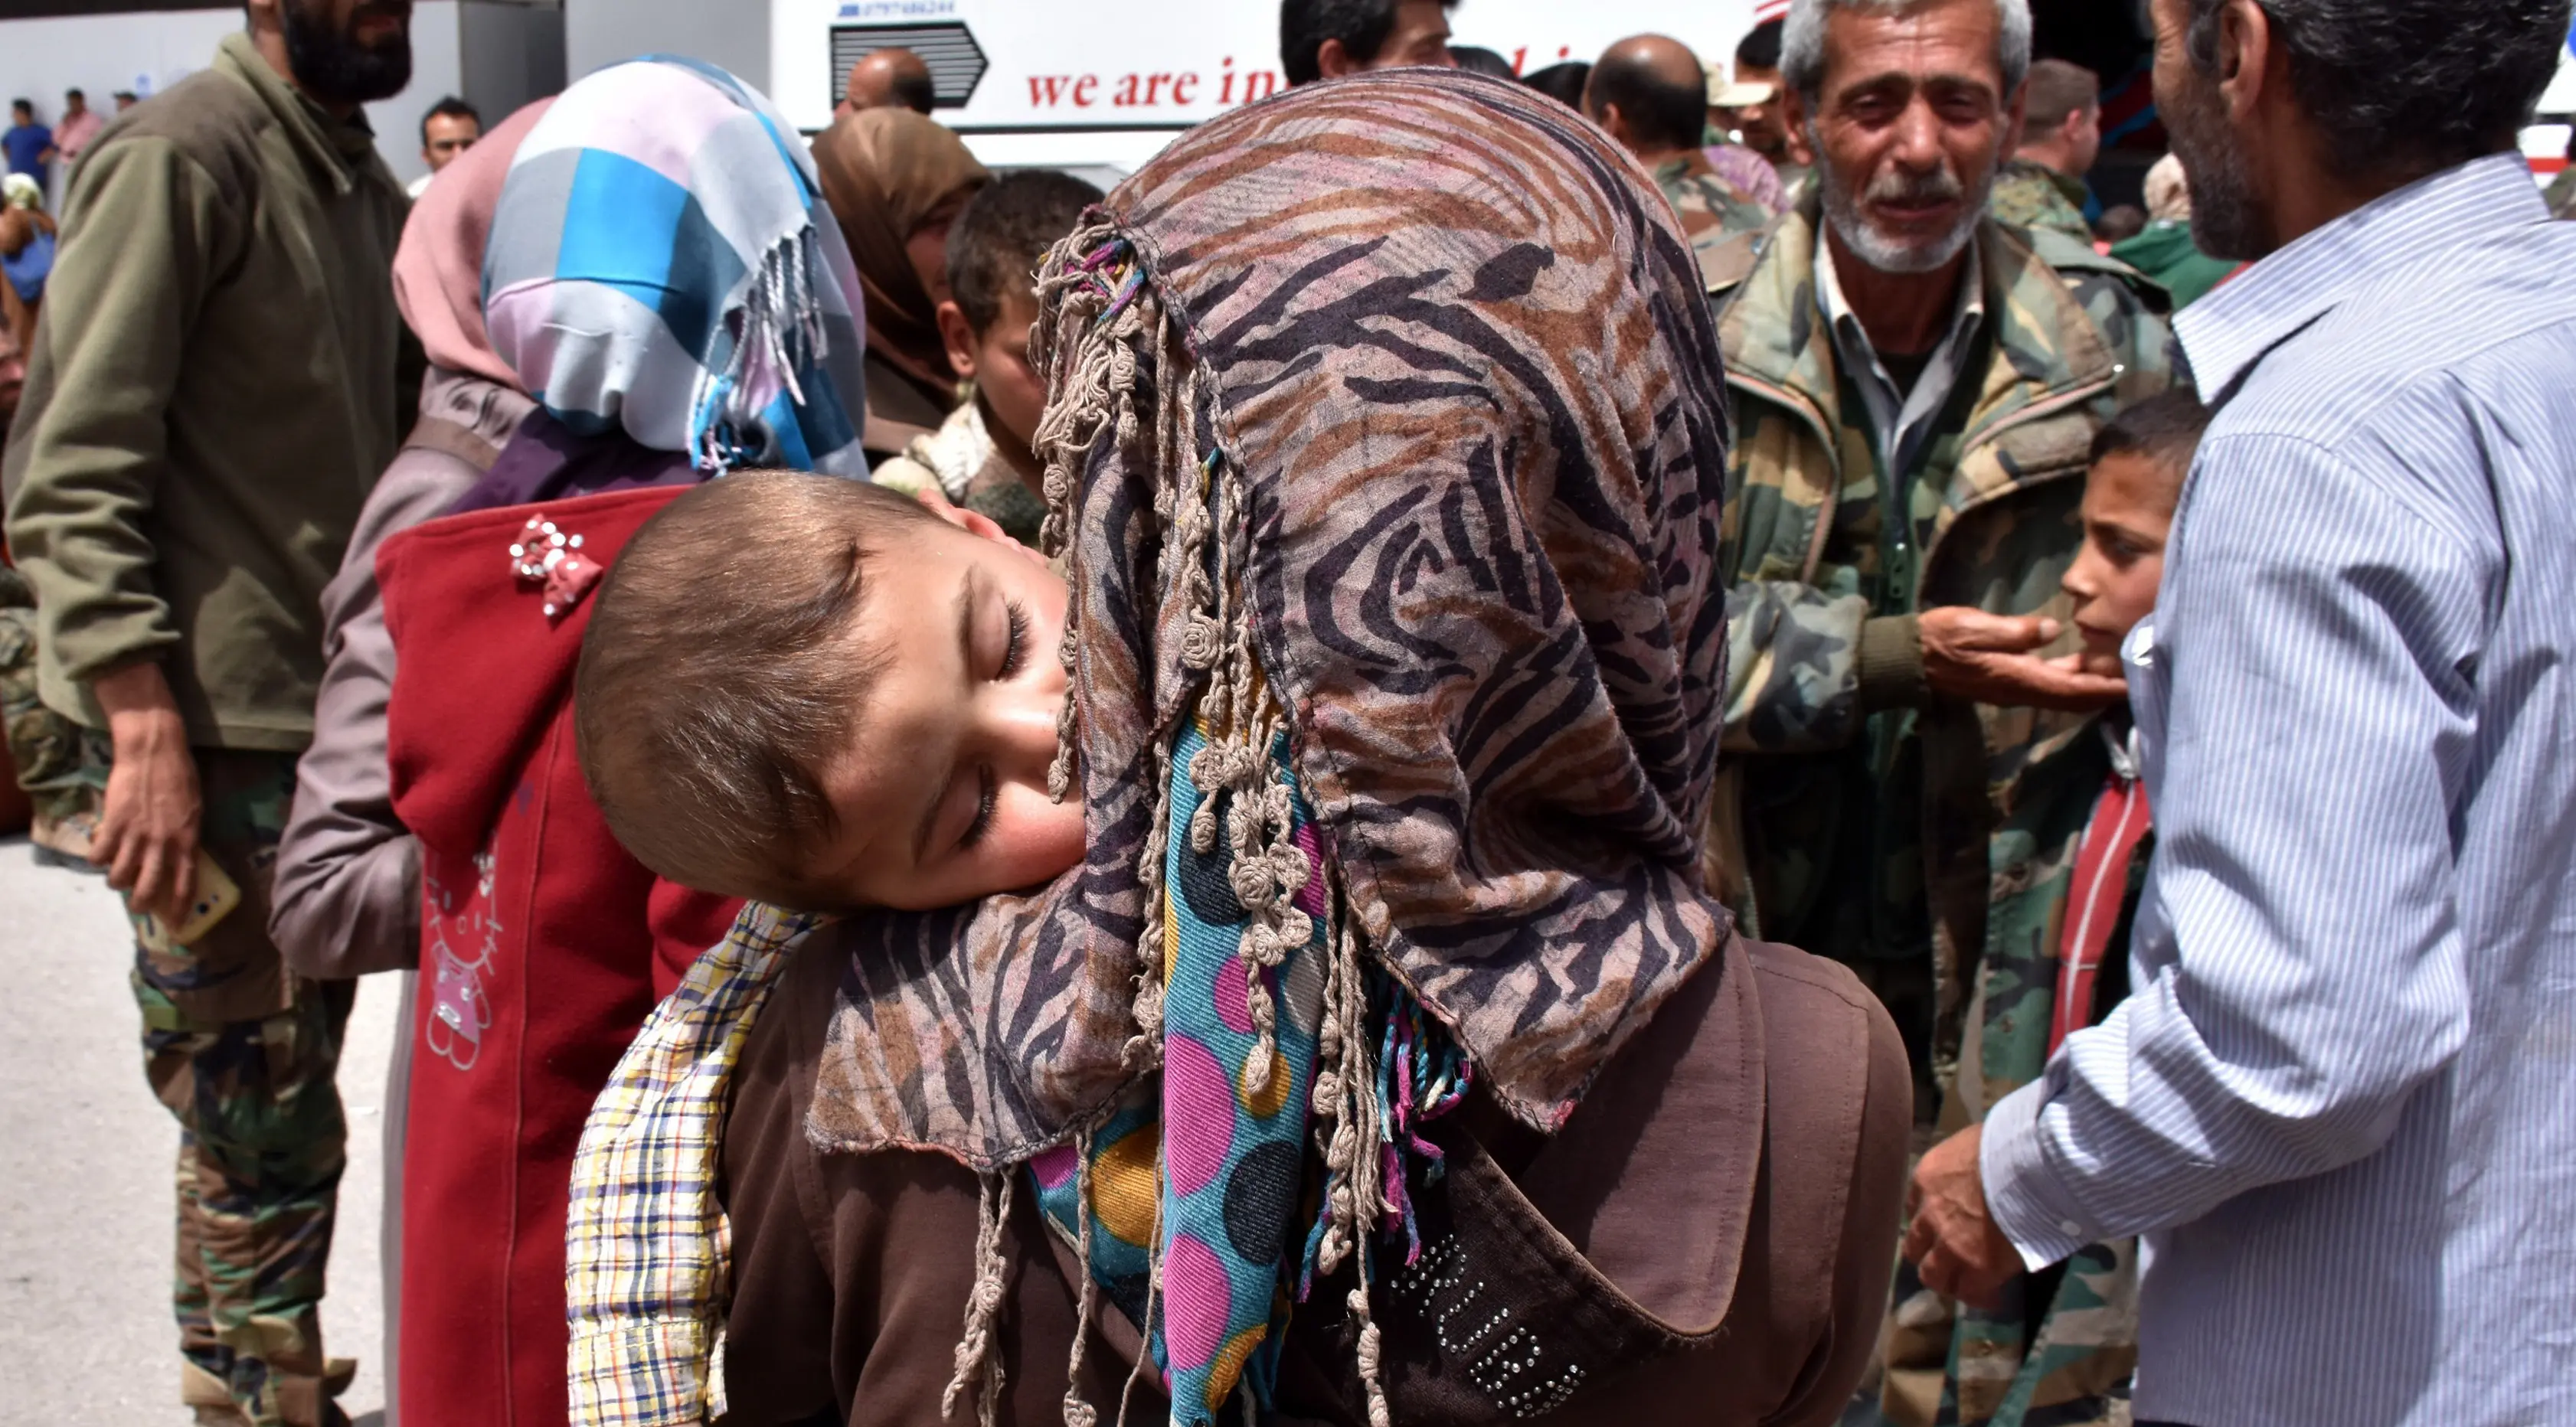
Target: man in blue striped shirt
(2340,1102)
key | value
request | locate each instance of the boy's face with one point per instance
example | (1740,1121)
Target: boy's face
(998,361)
(2128,513)
(942,794)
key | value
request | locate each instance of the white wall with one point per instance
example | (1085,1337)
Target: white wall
(101,54)
(730,33)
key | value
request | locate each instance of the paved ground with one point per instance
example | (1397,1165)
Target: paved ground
(85,1238)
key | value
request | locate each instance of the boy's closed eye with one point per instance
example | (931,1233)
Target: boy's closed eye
(941,795)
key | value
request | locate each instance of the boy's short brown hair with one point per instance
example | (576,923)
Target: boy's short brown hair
(2165,428)
(721,676)
(1003,231)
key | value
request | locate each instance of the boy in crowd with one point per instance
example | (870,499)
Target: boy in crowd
(979,458)
(2056,962)
(867,719)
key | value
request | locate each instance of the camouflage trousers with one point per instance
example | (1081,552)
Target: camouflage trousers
(245,1053)
(2058,1351)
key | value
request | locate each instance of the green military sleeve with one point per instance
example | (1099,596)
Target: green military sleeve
(146,231)
(1891,664)
(2130,308)
(1793,678)
(1805,669)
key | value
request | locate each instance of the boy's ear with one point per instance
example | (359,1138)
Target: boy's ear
(973,522)
(959,336)
(981,526)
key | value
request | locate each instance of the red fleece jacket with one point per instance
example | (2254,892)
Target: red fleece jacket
(543,947)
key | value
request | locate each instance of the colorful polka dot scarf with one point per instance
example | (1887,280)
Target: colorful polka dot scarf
(1193,1188)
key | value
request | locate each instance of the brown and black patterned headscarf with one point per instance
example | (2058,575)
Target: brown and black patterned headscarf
(1392,404)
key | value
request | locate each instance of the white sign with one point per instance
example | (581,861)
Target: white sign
(1045,81)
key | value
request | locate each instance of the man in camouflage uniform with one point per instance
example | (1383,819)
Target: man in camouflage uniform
(1649,94)
(1915,393)
(181,479)
(2042,187)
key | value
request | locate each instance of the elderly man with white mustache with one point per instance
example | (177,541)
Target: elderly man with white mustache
(2337,1105)
(1916,389)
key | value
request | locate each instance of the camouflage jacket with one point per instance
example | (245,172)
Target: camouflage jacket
(1835,741)
(1724,223)
(1837,754)
(57,770)
(2063,1344)
(2035,196)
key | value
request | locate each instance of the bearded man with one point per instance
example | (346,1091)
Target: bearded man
(1915,394)
(182,478)
(2335,1104)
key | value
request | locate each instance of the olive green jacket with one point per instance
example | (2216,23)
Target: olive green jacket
(2561,194)
(1831,730)
(213,390)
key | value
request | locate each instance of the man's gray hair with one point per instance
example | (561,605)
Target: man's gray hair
(2404,88)
(1802,41)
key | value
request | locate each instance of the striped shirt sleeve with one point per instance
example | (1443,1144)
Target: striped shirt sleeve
(2300,968)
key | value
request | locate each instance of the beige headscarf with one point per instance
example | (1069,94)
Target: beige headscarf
(884,172)
(2168,191)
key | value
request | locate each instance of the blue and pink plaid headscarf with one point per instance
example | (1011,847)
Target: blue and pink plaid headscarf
(662,261)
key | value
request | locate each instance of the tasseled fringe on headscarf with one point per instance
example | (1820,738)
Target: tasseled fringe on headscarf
(1109,346)
(1421,1076)
(780,332)
(978,1361)
(1098,389)
(1145,1333)
(1086,1295)
(1346,1103)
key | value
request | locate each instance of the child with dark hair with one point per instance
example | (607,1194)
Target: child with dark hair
(2056,961)
(867,718)
(979,458)
(2139,462)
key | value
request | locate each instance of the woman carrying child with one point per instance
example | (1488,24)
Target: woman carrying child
(591,365)
(1375,1052)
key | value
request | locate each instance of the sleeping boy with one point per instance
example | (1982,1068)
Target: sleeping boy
(825,695)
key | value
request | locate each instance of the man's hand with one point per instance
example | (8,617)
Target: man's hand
(147,833)
(1987,659)
(1953,1241)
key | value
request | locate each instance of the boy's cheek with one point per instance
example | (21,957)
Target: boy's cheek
(1041,846)
(1014,393)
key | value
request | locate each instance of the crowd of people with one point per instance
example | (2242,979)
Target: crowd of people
(1648,743)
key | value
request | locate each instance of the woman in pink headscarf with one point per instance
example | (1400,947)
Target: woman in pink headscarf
(347,896)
